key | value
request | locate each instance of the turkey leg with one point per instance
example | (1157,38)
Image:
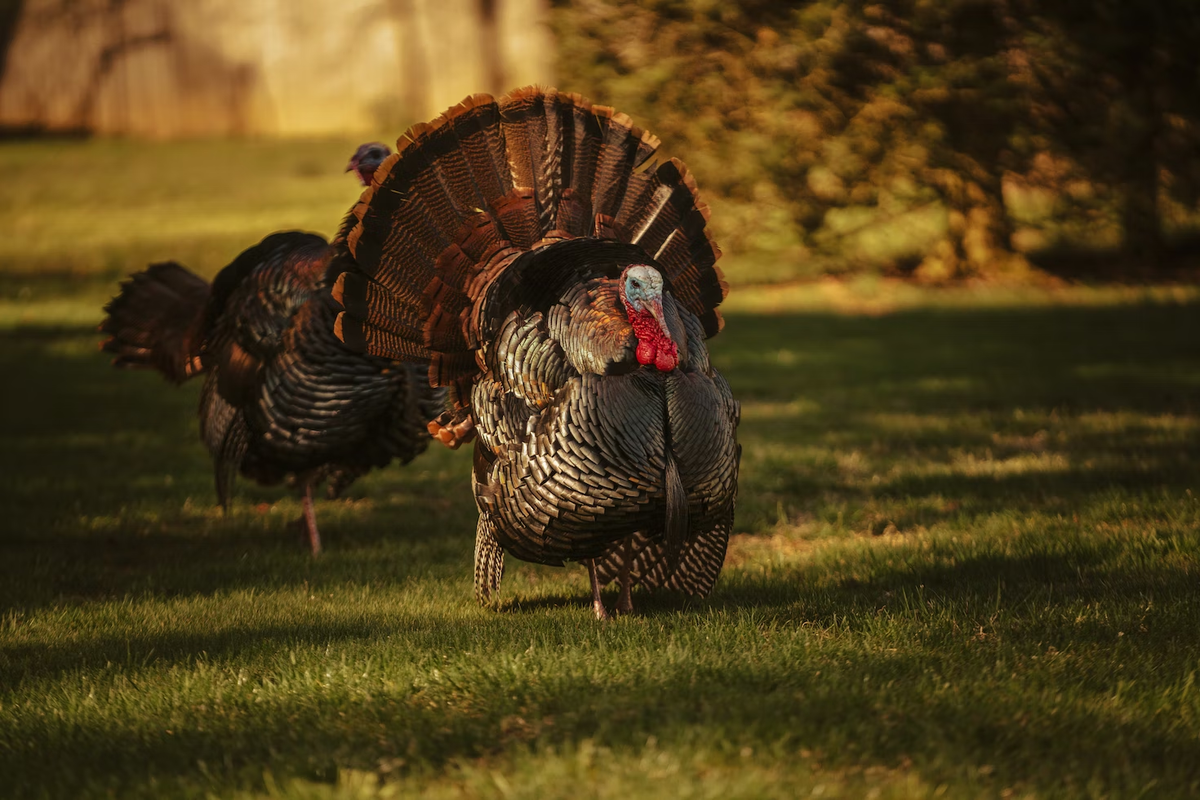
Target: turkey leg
(625,601)
(310,519)
(597,603)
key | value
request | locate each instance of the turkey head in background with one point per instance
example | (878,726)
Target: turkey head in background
(366,160)
(563,295)
(283,398)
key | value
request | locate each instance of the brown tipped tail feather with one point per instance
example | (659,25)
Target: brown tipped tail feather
(157,322)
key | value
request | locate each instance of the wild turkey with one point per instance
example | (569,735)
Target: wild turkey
(282,397)
(366,160)
(563,296)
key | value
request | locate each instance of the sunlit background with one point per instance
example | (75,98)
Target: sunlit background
(936,140)
(166,70)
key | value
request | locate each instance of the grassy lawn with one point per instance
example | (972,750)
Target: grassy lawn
(966,561)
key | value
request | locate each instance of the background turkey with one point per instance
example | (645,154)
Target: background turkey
(282,397)
(563,295)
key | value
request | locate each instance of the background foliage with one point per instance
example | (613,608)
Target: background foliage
(949,139)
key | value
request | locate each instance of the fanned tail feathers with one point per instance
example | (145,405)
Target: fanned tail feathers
(157,321)
(467,193)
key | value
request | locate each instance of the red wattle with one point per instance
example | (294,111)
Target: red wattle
(666,361)
(654,344)
(646,352)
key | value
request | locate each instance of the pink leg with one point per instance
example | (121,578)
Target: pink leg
(597,603)
(625,600)
(310,520)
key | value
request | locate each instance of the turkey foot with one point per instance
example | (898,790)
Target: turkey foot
(450,433)
(597,603)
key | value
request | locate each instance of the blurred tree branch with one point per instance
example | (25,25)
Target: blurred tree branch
(854,110)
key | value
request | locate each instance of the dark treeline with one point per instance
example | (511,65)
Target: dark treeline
(949,138)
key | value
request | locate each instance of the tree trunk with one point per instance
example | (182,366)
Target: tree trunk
(987,240)
(1140,213)
(983,239)
(489,45)
(979,232)
(414,97)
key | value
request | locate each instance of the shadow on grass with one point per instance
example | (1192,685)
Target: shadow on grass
(922,417)
(851,708)
(102,466)
(137,650)
(58,284)
(108,491)
(1032,591)
(1135,358)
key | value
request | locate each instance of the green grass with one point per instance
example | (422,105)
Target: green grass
(76,217)
(965,565)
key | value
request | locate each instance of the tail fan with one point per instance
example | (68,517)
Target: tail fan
(467,193)
(157,322)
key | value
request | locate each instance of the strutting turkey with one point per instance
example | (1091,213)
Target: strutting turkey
(282,398)
(563,294)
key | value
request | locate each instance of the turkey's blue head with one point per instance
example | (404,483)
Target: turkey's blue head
(641,292)
(366,160)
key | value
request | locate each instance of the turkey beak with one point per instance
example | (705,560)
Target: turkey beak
(656,310)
